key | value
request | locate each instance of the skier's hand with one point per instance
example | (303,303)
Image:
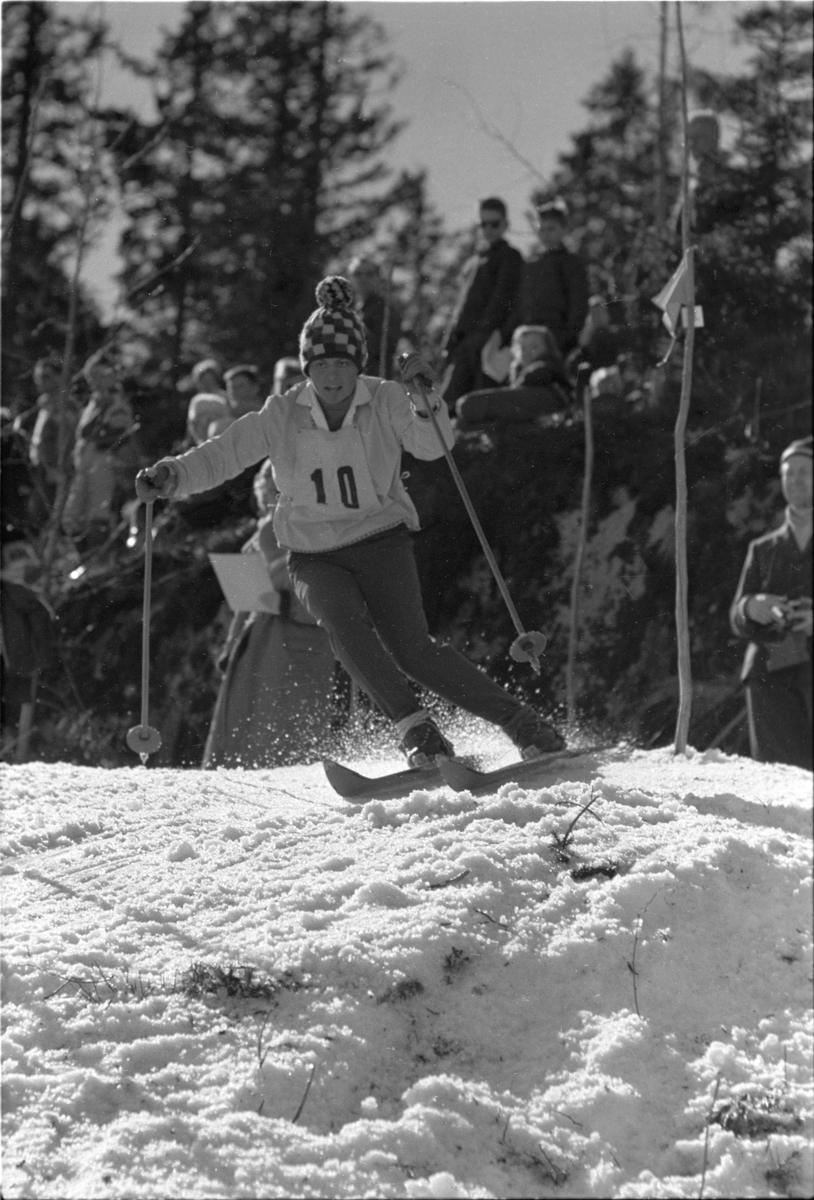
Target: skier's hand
(412,367)
(157,483)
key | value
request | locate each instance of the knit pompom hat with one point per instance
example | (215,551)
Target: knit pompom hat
(333,330)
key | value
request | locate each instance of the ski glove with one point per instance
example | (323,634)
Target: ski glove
(416,374)
(157,483)
(414,367)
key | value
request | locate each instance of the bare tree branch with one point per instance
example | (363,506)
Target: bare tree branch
(496,134)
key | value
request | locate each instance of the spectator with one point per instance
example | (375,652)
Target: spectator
(104,454)
(20,504)
(772,608)
(537,384)
(345,518)
(554,284)
(380,315)
(487,300)
(287,373)
(209,402)
(243,395)
(275,700)
(52,435)
(27,645)
(232,499)
(599,344)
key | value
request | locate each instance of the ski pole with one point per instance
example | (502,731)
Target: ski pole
(529,644)
(142,739)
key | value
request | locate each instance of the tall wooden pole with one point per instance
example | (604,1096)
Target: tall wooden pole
(661,166)
(573,623)
(681,606)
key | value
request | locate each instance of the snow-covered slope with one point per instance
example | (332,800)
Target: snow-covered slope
(237,984)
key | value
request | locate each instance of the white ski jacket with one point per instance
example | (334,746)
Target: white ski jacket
(337,487)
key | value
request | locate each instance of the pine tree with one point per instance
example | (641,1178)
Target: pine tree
(263,164)
(49,132)
(609,181)
(754,215)
(751,212)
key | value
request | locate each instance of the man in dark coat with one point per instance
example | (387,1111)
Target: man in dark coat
(487,300)
(554,284)
(772,608)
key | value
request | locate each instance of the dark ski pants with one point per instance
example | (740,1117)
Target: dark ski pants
(779,707)
(368,598)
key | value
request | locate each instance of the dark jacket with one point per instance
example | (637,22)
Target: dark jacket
(774,563)
(488,295)
(554,293)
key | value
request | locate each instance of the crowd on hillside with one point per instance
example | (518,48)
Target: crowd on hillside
(526,342)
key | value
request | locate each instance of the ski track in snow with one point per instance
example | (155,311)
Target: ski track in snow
(453,1007)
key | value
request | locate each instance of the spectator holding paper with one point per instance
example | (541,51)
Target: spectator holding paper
(275,699)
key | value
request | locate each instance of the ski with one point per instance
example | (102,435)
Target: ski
(354,786)
(461,777)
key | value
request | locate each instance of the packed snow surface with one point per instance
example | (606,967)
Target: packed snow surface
(237,984)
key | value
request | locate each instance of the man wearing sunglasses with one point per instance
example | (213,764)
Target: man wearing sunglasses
(487,298)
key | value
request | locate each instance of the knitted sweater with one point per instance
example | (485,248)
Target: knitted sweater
(335,488)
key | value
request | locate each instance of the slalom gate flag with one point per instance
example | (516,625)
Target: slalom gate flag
(673,297)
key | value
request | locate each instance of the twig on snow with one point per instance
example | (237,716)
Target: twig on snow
(262,1050)
(494,920)
(562,841)
(442,883)
(706,1137)
(631,966)
(296,1116)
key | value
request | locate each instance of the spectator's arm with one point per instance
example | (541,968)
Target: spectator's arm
(751,593)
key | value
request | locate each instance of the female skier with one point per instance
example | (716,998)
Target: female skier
(345,517)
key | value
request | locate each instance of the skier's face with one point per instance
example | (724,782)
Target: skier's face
(334,380)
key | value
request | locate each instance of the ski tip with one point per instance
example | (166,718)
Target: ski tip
(343,780)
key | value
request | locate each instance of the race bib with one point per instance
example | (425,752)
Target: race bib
(331,475)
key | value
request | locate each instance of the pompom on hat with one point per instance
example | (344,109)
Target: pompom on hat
(801,446)
(333,330)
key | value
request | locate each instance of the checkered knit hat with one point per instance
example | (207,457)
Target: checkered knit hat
(333,330)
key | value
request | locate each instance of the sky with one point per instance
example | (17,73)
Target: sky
(477,75)
(235,983)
